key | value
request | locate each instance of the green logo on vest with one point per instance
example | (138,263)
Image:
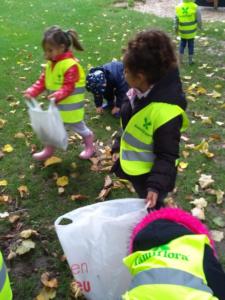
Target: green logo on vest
(185,10)
(163,251)
(146,123)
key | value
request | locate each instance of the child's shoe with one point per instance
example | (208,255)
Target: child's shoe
(190,60)
(107,106)
(89,147)
(44,154)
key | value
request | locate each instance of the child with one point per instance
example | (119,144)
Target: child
(187,19)
(107,82)
(5,289)
(173,257)
(64,80)
(152,117)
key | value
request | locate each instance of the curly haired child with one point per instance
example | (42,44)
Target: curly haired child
(153,116)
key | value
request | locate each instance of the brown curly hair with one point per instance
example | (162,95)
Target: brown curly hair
(152,53)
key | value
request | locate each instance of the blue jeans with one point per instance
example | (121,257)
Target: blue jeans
(184,42)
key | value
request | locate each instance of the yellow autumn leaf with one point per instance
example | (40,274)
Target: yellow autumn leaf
(201,90)
(183,165)
(48,280)
(62,181)
(52,160)
(7,148)
(23,190)
(46,294)
(2,123)
(3,182)
(191,98)
(215,94)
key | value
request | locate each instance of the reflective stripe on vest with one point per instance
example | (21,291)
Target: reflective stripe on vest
(71,108)
(187,20)
(170,276)
(3,274)
(136,149)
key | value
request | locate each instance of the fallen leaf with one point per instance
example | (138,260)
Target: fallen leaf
(46,294)
(25,234)
(25,247)
(5,199)
(3,182)
(1,154)
(78,197)
(2,123)
(108,182)
(52,160)
(62,181)
(7,148)
(4,215)
(61,190)
(19,135)
(75,289)
(217,235)
(198,213)
(205,181)
(11,255)
(13,218)
(183,165)
(23,190)
(200,202)
(48,280)
(218,193)
(103,194)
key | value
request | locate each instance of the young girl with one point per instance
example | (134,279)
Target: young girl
(64,80)
(152,117)
(172,256)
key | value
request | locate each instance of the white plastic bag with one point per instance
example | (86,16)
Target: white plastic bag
(47,124)
(96,242)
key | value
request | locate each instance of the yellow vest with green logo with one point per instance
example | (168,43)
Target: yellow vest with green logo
(71,108)
(136,147)
(187,21)
(5,289)
(172,271)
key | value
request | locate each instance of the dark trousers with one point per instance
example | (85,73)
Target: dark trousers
(184,42)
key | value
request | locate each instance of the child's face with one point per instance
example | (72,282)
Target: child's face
(51,51)
(136,81)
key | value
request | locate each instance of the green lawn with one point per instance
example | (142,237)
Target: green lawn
(103,30)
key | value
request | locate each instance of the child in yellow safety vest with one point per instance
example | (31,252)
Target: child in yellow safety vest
(172,256)
(5,289)
(152,117)
(64,80)
(187,20)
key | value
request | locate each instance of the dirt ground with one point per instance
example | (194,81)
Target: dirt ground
(165,8)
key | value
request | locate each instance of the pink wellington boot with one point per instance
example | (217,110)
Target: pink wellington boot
(44,154)
(89,147)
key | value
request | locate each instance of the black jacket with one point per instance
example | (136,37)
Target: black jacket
(162,232)
(116,86)
(166,138)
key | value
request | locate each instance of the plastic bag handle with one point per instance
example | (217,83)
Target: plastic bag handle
(32,103)
(60,219)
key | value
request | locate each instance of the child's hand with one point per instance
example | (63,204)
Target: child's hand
(151,199)
(115,156)
(115,110)
(27,95)
(99,110)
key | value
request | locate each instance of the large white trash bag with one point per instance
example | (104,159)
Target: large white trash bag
(47,124)
(96,241)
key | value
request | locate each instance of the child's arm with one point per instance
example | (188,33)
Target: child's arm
(199,18)
(70,78)
(37,88)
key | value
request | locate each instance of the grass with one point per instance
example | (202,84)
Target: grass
(103,30)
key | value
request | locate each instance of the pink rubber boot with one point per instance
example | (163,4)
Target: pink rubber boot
(89,147)
(44,154)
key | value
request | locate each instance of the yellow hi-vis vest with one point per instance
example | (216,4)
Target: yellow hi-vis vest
(5,289)
(71,108)
(136,147)
(172,271)
(187,21)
